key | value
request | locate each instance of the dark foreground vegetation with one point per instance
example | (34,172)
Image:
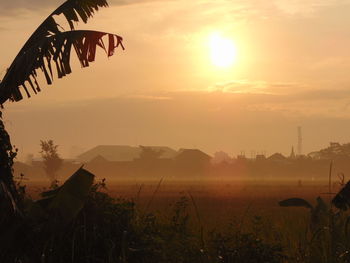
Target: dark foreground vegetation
(80,222)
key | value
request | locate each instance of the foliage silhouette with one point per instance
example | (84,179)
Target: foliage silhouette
(8,192)
(51,159)
(49,45)
(47,48)
(342,199)
(149,154)
(327,237)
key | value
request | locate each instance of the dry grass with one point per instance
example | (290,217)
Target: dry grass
(218,202)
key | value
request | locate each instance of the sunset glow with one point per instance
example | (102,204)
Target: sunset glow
(233,66)
(223,51)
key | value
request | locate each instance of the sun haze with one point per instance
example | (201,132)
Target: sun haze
(223,51)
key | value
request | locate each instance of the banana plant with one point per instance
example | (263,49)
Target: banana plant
(45,220)
(342,199)
(318,212)
(50,47)
(48,50)
(63,203)
(328,239)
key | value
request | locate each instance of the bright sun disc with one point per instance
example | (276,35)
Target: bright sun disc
(223,51)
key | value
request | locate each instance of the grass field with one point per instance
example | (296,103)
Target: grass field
(222,205)
(217,201)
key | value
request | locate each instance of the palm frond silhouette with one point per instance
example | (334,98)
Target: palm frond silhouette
(49,49)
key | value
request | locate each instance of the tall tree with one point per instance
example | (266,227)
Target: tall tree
(51,159)
(49,50)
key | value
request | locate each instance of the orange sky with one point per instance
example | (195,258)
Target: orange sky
(293,59)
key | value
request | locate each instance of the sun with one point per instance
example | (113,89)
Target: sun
(223,52)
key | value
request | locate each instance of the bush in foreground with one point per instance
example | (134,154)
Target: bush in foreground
(80,222)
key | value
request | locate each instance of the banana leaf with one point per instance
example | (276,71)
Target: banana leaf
(295,202)
(342,199)
(65,202)
(50,47)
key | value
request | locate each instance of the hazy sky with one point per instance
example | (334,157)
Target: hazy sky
(292,68)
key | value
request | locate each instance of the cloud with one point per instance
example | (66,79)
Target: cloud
(149,97)
(305,7)
(291,91)
(293,100)
(323,94)
(319,103)
(257,87)
(8,7)
(214,10)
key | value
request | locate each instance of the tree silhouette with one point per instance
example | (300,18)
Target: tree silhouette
(51,159)
(49,49)
(149,154)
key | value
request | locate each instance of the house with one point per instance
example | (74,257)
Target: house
(98,160)
(192,160)
(192,154)
(260,157)
(278,157)
(122,153)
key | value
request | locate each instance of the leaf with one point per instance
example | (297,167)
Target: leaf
(65,202)
(71,9)
(295,202)
(342,199)
(51,193)
(85,9)
(6,196)
(34,211)
(319,214)
(50,52)
(30,59)
(321,205)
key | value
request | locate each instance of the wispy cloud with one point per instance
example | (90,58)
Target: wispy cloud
(305,7)
(257,87)
(149,97)
(289,99)
(7,7)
